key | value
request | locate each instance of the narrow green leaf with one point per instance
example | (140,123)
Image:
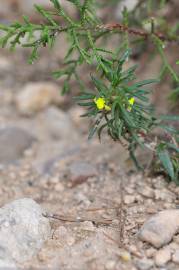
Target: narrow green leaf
(86,104)
(169,117)
(173,146)
(144,82)
(85,96)
(166,161)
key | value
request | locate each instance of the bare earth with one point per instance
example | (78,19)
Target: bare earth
(95,200)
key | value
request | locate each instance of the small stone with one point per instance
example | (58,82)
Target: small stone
(125,256)
(160,228)
(82,199)
(168,205)
(54,180)
(176,239)
(134,251)
(87,226)
(151,209)
(129,199)
(115,222)
(175,257)
(88,253)
(144,264)
(139,198)
(162,257)
(36,96)
(59,187)
(150,252)
(110,265)
(173,246)
(6,224)
(60,233)
(164,195)
(159,183)
(146,192)
(129,190)
(70,240)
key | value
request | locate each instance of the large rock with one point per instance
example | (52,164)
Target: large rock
(23,230)
(13,142)
(6,264)
(160,228)
(36,96)
(58,124)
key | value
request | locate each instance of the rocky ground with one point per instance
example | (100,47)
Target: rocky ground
(96,209)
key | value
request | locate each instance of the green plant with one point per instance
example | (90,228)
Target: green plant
(118,104)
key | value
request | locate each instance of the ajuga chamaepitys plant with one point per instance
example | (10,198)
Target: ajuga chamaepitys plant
(118,102)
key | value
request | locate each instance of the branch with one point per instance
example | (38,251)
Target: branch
(144,34)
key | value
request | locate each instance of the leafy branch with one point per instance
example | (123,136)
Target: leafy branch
(117,104)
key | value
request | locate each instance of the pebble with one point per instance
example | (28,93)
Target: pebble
(134,251)
(139,198)
(176,239)
(159,183)
(125,256)
(164,195)
(144,264)
(160,228)
(173,246)
(175,256)
(162,257)
(70,241)
(87,226)
(146,191)
(129,190)
(110,265)
(59,187)
(150,252)
(60,233)
(129,199)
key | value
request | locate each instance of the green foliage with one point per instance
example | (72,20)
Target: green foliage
(118,104)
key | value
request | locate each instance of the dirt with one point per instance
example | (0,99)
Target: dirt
(95,217)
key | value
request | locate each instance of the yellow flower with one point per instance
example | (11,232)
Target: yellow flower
(101,104)
(107,108)
(131,102)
